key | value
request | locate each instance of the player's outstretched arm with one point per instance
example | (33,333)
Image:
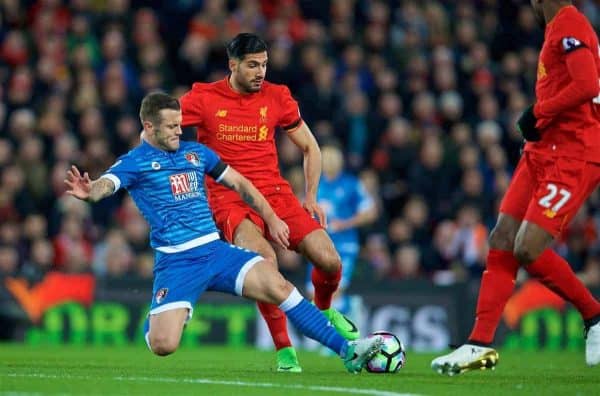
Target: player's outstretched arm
(82,187)
(305,140)
(277,228)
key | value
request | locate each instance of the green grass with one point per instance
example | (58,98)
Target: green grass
(214,371)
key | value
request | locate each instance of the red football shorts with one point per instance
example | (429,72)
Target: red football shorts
(229,213)
(549,190)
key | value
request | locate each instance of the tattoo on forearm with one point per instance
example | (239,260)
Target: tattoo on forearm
(229,184)
(247,195)
(249,199)
(101,188)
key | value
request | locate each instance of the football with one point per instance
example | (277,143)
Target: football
(392,356)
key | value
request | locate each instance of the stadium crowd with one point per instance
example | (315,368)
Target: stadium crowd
(422,96)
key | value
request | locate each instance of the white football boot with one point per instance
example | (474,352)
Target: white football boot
(466,358)
(592,345)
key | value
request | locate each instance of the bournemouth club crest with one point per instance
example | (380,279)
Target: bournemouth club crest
(161,294)
(193,158)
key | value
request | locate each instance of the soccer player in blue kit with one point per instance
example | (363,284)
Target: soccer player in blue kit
(165,178)
(347,206)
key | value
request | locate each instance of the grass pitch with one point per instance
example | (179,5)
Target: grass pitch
(216,371)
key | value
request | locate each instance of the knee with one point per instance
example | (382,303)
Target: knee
(502,238)
(162,344)
(524,254)
(279,288)
(330,261)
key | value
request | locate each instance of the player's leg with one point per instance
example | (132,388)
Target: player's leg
(497,282)
(340,300)
(309,239)
(318,248)
(565,186)
(533,252)
(179,280)
(338,297)
(165,330)
(263,283)
(248,235)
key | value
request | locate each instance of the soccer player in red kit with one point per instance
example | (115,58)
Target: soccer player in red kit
(237,117)
(559,169)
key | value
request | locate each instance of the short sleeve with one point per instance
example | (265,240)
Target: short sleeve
(191,107)
(215,168)
(364,200)
(570,34)
(290,112)
(123,173)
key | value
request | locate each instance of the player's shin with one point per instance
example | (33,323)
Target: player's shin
(277,324)
(325,284)
(556,274)
(312,323)
(497,284)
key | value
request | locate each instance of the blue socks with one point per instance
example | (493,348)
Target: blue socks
(312,323)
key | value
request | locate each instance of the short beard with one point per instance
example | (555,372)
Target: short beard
(249,89)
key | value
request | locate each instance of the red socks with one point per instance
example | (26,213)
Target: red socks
(497,284)
(556,274)
(325,285)
(277,323)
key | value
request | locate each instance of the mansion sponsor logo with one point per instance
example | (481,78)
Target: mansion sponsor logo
(184,185)
(242,133)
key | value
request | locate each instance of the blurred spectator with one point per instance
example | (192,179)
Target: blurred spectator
(422,96)
(407,263)
(9,260)
(469,244)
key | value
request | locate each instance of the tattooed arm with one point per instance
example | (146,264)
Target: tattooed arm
(82,187)
(277,228)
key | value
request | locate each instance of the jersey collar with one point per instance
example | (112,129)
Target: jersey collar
(148,147)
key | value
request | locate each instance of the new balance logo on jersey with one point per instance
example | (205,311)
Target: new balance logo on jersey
(221,113)
(184,185)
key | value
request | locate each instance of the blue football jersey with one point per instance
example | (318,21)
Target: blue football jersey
(342,199)
(168,188)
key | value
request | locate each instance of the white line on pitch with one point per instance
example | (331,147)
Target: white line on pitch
(317,388)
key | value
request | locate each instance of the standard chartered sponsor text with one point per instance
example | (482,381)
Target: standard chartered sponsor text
(241,133)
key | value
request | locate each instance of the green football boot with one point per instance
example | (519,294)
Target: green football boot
(287,361)
(342,324)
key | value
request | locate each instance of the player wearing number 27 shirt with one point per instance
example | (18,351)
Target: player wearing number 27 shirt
(559,169)
(238,117)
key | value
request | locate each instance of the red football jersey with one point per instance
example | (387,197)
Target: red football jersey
(575,132)
(240,128)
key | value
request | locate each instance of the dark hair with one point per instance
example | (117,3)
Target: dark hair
(153,103)
(245,43)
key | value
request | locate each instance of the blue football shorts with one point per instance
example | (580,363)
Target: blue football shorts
(182,277)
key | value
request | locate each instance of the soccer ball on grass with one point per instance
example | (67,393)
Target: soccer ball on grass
(392,356)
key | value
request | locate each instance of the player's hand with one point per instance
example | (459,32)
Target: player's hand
(280,232)
(316,211)
(526,125)
(79,186)
(336,225)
